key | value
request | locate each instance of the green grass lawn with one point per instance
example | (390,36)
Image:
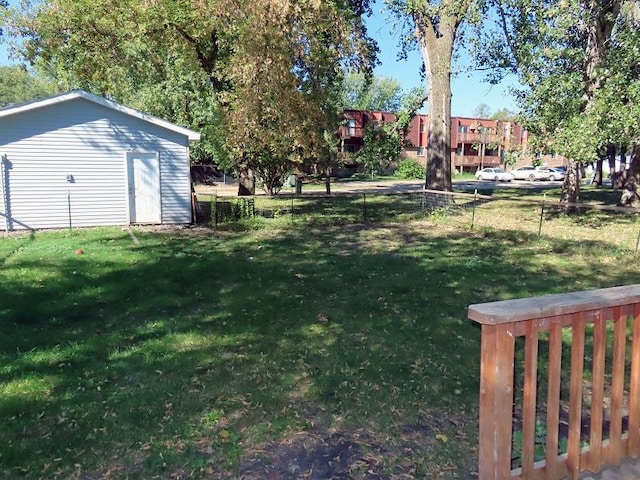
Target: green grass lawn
(199,353)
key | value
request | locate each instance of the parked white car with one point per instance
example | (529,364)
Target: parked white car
(495,174)
(531,173)
(557,174)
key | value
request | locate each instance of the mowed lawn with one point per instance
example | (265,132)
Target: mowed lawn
(270,353)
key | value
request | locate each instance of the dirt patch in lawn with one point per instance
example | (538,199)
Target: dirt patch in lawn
(412,451)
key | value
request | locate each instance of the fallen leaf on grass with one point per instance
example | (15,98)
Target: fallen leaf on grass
(441,437)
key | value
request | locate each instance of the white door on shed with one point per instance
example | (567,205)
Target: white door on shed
(144,187)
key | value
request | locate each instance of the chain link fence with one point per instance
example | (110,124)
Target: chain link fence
(615,226)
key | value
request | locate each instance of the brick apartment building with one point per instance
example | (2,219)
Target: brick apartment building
(475,143)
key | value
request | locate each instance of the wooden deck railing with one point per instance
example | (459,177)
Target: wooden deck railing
(578,401)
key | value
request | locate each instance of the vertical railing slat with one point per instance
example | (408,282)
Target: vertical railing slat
(529,399)
(634,387)
(617,384)
(553,396)
(496,401)
(597,392)
(575,400)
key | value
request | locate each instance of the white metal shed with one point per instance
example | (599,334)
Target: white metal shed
(77,159)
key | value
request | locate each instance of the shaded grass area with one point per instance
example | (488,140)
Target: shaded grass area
(221,354)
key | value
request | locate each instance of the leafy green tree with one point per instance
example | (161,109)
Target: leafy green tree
(252,76)
(17,85)
(503,114)
(383,142)
(297,92)
(409,169)
(616,106)
(482,110)
(382,145)
(364,92)
(3,6)
(562,53)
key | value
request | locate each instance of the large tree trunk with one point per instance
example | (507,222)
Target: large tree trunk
(327,180)
(597,31)
(631,191)
(597,174)
(612,163)
(246,183)
(571,185)
(438,170)
(618,176)
(436,36)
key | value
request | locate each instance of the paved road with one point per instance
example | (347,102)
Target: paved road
(395,186)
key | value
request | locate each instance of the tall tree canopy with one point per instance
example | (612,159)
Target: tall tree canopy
(578,62)
(482,110)
(362,92)
(256,77)
(383,142)
(19,85)
(3,5)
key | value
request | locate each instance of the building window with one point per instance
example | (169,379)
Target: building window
(351,127)
(349,148)
(463,129)
(422,151)
(423,127)
(459,151)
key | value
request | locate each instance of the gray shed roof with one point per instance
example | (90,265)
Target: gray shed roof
(64,97)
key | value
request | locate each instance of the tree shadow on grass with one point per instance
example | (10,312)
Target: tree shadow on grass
(191,352)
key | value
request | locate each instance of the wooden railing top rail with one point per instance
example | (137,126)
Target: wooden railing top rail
(506,311)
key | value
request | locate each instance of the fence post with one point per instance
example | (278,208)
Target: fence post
(292,197)
(364,204)
(544,197)
(214,210)
(473,212)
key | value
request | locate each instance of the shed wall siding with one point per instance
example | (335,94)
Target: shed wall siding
(89,142)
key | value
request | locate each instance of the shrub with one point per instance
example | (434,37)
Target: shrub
(410,169)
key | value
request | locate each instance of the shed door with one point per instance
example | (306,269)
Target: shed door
(144,187)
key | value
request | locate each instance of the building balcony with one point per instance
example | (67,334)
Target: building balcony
(350,132)
(476,161)
(476,137)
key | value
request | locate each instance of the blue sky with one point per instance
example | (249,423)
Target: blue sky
(468,89)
